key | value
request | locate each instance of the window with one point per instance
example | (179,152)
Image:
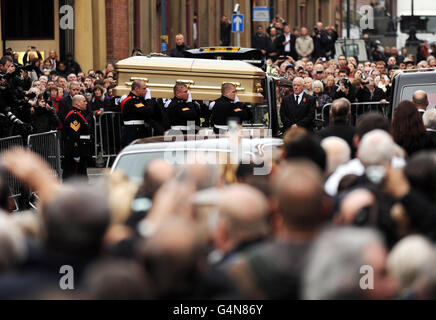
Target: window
(23,20)
(430,88)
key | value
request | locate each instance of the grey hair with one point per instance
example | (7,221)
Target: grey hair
(317,83)
(376,149)
(429,119)
(408,258)
(74,83)
(338,152)
(334,263)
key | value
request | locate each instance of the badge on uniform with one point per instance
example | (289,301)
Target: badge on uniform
(185,109)
(75,125)
(238,110)
(139,105)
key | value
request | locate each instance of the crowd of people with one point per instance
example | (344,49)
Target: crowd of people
(49,86)
(334,203)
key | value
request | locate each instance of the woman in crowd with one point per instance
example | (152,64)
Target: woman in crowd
(408,129)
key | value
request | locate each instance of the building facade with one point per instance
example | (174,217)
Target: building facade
(101,31)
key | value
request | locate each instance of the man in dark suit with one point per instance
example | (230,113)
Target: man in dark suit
(286,44)
(298,109)
(340,113)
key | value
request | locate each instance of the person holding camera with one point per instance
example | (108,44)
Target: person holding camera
(14,111)
(43,117)
(344,88)
(320,41)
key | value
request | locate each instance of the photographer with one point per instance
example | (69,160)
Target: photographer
(344,88)
(320,41)
(43,117)
(14,80)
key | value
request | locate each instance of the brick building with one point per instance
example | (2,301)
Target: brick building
(97,31)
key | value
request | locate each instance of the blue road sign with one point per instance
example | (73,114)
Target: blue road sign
(238,23)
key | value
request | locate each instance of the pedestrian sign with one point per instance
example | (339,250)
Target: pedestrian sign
(238,23)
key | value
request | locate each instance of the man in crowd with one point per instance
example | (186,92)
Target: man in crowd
(137,109)
(287,42)
(340,113)
(180,48)
(320,40)
(304,44)
(420,99)
(261,41)
(298,109)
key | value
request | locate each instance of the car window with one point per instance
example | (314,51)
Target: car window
(408,91)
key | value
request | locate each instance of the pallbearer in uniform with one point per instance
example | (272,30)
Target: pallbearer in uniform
(228,108)
(181,111)
(77,140)
(137,110)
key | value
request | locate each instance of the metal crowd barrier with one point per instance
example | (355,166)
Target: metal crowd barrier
(108,136)
(47,145)
(357,111)
(13,182)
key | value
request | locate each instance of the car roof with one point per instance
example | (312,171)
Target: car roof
(221,143)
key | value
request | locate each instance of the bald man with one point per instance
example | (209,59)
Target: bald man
(77,140)
(420,99)
(298,109)
(242,221)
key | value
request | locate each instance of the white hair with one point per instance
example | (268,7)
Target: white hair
(333,269)
(429,119)
(377,148)
(318,83)
(338,152)
(408,258)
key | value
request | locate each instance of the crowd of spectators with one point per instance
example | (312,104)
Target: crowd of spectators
(52,84)
(335,203)
(311,55)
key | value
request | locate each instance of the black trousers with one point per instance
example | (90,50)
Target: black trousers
(132,133)
(73,169)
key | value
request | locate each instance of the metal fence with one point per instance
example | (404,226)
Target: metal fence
(108,136)
(357,111)
(12,181)
(47,145)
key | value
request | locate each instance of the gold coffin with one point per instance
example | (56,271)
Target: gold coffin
(204,77)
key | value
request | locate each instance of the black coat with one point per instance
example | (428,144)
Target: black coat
(225,33)
(302,115)
(44,120)
(364,95)
(178,51)
(225,110)
(321,43)
(260,42)
(181,112)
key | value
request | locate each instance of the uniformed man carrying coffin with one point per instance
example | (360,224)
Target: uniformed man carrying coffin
(228,107)
(183,114)
(137,110)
